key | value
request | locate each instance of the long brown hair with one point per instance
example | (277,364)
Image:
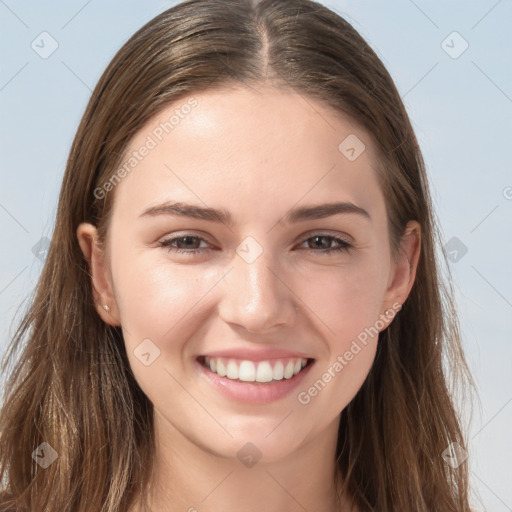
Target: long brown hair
(70,384)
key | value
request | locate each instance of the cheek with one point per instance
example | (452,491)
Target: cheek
(346,299)
(156,299)
(348,303)
(159,302)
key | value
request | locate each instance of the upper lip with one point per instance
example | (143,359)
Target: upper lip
(256,355)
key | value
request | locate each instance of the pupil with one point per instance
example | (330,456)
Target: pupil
(189,240)
(326,244)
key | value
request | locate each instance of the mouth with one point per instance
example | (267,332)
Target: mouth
(259,372)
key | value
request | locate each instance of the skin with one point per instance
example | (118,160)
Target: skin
(257,154)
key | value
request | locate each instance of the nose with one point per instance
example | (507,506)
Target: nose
(256,296)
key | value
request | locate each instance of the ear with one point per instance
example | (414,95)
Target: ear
(403,271)
(98,269)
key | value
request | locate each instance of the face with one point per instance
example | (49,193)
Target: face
(249,266)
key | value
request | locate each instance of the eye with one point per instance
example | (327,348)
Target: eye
(324,241)
(190,244)
(186,244)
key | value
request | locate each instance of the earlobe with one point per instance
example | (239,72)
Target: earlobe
(98,270)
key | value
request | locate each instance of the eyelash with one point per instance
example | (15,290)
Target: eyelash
(343,247)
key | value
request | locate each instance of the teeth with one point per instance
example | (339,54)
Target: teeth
(250,371)
(278,371)
(221,369)
(288,371)
(232,370)
(247,371)
(265,373)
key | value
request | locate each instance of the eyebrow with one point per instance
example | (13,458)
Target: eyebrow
(321,211)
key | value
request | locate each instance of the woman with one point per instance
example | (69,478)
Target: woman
(241,305)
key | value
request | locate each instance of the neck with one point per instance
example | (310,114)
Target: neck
(189,478)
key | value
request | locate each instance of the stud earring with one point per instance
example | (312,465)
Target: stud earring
(106,308)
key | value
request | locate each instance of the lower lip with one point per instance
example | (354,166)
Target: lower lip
(254,392)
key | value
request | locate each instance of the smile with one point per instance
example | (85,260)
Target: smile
(254,371)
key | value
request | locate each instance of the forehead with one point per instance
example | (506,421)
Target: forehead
(252,149)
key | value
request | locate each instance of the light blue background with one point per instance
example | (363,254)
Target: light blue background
(461,110)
